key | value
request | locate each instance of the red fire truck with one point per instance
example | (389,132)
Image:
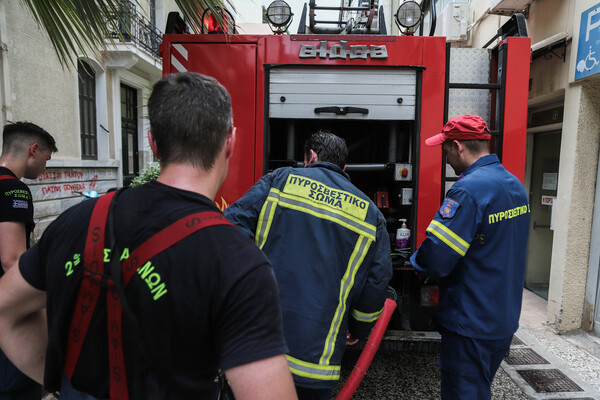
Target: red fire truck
(384,94)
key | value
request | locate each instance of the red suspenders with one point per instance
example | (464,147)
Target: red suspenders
(95,278)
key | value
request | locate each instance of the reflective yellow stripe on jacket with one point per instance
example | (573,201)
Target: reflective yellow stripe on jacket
(455,242)
(313,371)
(277,198)
(366,317)
(358,255)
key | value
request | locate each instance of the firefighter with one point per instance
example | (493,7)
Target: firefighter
(476,244)
(331,255)
(150,290)
(26,148)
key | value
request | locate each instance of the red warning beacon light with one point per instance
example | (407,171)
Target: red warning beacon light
(224,23)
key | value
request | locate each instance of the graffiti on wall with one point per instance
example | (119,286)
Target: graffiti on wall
(69,182)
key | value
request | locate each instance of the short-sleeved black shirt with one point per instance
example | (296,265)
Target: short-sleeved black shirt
(218,308)
(16,204)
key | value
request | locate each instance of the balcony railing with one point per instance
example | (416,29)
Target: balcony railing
(140,31)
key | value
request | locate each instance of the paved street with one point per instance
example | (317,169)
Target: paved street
(396,375)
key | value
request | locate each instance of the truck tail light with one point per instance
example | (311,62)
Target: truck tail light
(430,296)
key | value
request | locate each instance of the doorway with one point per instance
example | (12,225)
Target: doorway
(542,196)
(129,134)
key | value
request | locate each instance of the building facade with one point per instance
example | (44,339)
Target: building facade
(95,110)
(563,150)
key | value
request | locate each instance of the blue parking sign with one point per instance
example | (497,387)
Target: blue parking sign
(588,59)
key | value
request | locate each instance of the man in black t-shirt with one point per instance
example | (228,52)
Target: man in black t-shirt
(208,301)
(25,150)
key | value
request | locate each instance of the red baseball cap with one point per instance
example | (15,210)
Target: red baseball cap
(463,127)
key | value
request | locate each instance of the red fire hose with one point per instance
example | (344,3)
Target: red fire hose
(364,361)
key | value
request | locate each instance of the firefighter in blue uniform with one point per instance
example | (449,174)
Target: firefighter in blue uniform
(331,256)
(476,244)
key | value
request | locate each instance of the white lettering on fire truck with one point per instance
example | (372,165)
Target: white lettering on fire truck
(342,50)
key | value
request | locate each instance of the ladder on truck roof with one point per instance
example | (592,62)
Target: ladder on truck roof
(476,84)
(366,17)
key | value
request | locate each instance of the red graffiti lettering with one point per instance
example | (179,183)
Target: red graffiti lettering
(49,175)
(51,189)
(93,182)
(74,174)
(72,187)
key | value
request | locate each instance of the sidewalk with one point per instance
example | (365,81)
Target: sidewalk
(546,365)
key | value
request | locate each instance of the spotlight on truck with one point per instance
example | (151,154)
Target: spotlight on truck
(408,16)
(279,16)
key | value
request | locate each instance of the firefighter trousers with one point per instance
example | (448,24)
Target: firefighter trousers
(468,365)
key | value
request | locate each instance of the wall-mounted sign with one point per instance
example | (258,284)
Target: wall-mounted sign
(547,117)
(548,200)
(550,181)
(588,57)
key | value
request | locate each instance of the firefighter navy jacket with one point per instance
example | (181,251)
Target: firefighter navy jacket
(331,256)
(477,244)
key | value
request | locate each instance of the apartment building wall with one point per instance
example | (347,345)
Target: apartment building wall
(554,27)
(574,265)
(36,88)
(562,250)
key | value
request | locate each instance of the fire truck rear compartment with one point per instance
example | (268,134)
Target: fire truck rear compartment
(376,111)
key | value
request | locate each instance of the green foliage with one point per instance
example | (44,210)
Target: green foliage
(82,27)
(76,26)
(151,172)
